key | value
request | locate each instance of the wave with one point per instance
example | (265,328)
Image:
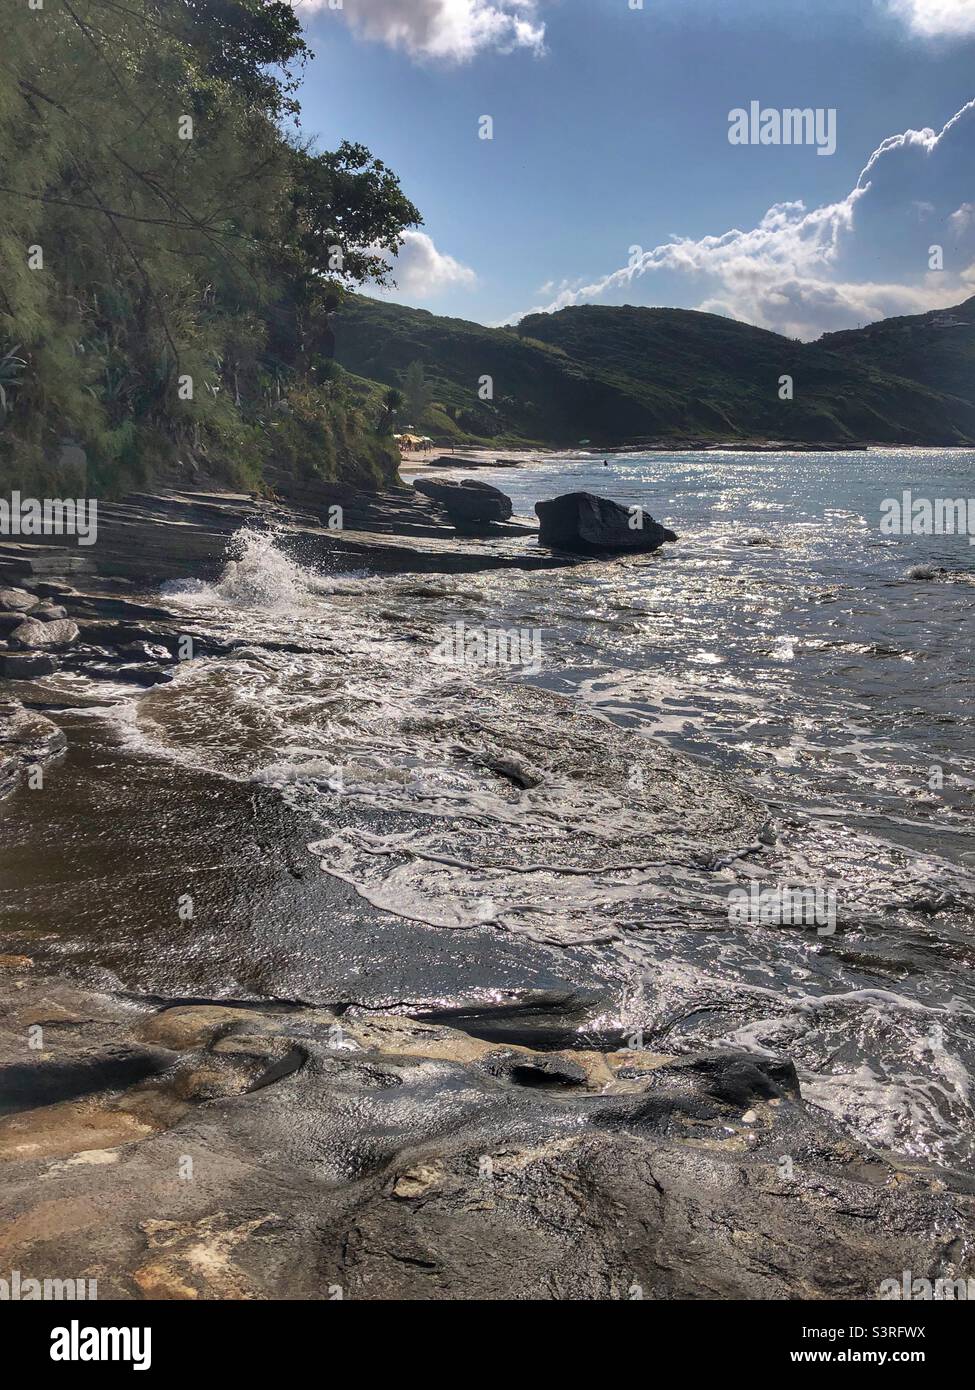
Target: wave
(472,798)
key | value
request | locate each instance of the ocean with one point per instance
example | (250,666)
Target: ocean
(606,760)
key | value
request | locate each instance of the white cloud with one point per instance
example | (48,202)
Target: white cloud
(937,18)
(422,272)
(452,31)
(797,271)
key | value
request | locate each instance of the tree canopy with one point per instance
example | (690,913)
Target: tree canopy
(171,248)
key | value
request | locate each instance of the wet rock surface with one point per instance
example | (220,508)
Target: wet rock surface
(434,1120)
(98,631)
(138,833)
(291,1092)
(27,740)
(148,538)
(213,1150)
(26,665)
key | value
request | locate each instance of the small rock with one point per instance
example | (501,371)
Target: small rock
(145,651)
(136,674)
(25,666)
(415,1181)
(48,612)
(50,589)
(17,599)
(60,633)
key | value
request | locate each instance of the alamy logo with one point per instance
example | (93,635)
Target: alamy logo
(908,515)
(784,905)
(461,645)
(927,1290)
(54,516)
(77,1343)
(790,126)
(23,1289)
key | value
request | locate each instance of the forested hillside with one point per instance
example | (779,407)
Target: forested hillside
(171,251)
(613,374)
(937,349)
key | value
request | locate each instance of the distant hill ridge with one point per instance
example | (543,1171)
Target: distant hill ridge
(616,374)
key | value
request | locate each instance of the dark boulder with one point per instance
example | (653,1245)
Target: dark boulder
(467,500)
(590,525)
(19,666)
(132,673)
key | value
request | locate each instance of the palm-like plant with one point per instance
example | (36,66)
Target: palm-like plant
(392,404)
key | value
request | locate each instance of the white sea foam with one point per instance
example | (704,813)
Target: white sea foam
(470,799)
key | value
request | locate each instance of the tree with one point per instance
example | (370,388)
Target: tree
(237,42)
(392,403)
(417,393)
(167,252)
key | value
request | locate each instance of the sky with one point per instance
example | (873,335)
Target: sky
(610,177)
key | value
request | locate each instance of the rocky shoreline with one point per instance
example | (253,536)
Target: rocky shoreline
(209,1150)
(58,612)
(388,1116)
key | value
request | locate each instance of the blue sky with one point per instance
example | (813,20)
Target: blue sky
(611,132)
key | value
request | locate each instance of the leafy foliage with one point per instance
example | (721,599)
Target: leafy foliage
(169,255)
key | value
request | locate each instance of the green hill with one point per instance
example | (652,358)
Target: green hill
(540,393)
(936,349)
(618,374)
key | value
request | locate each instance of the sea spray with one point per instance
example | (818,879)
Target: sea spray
(259,575)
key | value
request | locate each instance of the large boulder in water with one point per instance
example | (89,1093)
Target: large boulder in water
(591,525)
(466,500)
